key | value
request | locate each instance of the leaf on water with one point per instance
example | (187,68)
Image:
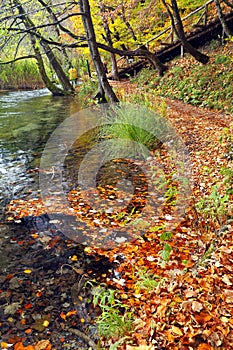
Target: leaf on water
(43,345)
(12,308)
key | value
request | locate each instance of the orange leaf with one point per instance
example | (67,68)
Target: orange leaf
(62,315)
(43,345)
(205,346)
(20,346)
(71,313)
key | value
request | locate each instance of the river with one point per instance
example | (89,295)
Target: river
(27,118)
(31,261)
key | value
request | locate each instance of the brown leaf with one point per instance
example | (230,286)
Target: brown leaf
(196,306)
(140,347)
(229,296)
(43,345)
(203,317)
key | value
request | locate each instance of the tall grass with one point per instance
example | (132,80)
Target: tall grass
(20,75)
(131,131)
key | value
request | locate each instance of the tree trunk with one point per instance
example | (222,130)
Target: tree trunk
(104,85)
(225,27)
(115,74)
(179,30)
(128,25)
(48,83)
(56,27)
(158,65)
(64,80)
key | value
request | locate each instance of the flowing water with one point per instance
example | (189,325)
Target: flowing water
(27,118)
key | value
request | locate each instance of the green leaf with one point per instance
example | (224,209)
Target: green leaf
(165,236)
(167,248)
(165,255)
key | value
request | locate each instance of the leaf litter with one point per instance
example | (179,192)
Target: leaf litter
(191,303)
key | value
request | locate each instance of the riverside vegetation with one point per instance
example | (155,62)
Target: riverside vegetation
(20,75)
(164,295)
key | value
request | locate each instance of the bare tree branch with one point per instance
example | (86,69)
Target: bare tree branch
(18,59)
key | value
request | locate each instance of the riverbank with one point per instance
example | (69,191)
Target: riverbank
(21,75)
(168,297)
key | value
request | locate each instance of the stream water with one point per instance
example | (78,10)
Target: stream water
(27,118)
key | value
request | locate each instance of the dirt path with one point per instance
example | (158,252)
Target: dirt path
(201,130)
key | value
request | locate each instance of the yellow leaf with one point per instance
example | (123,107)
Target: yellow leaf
(176,331)
(45,323)
(27,271)
(87,249)
(74,258)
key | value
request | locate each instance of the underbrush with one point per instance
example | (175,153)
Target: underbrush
(207,85)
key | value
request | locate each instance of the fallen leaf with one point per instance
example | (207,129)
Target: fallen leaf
(140,347)
(12,308)
(20,346)
(43,345)
(226,280)
(196,306)
(45,323)
(229,296)
(205,346)
(5,345)
(176,331)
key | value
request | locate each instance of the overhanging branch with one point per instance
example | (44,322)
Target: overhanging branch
(18,59)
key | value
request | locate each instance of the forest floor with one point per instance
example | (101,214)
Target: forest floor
(192,306)
(44,299)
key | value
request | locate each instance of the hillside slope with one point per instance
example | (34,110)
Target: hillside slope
(187,80)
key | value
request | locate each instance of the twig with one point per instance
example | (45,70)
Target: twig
(84,337)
